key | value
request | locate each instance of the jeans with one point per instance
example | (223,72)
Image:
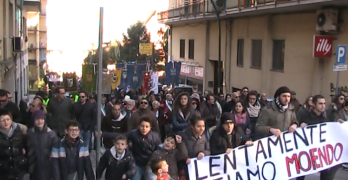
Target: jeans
(140,173)
(86,137)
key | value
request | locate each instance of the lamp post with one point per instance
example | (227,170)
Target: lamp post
(219,48)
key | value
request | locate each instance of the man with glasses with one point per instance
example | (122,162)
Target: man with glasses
(70,156)
(7,104)
(114,122)
(60,109)
(86,114)
(143,110)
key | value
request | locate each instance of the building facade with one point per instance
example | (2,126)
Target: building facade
(265,44)
(15,45)
(37,42)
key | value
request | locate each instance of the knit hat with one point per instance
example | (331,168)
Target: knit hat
(195,96)
(226,118)
(38,114)
(281,90)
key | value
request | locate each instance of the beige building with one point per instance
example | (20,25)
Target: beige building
(36,41)
(263,46)
(14,42)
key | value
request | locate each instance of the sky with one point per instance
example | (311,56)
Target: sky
(74,24)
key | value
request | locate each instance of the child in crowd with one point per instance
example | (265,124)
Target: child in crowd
(159,169)
(118,161)
(174,150)
(143,142)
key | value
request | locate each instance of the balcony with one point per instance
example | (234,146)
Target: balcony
(32,5)
(32,28)
(203,10)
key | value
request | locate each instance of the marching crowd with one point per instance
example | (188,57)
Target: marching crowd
(150,137)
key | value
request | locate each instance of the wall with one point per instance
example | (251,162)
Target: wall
(302,72)
(198,33)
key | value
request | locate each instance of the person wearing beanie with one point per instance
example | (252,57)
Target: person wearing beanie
(227,136)
(40,142)
(280,116)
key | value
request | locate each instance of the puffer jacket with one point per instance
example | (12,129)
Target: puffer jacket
(40,145)
(115,169)
(13,163)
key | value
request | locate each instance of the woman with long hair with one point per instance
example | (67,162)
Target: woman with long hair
(182,112)
(306,107)
(253,109)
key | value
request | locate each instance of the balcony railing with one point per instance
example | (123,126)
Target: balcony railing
(205,7)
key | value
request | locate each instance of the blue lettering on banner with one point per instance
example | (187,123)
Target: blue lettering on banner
(306,151)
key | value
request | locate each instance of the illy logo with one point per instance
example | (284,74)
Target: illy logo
(322,46)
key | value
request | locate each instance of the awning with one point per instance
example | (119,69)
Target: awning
(32,5)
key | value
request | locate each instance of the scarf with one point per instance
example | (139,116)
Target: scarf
(281,107)
(254,110)
(240,118)
(71,142)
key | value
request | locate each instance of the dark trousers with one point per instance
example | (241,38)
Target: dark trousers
(327,174)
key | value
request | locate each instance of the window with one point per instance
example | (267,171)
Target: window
(240,52)
(256,53)
(278,55)
(191,49)
(182,48)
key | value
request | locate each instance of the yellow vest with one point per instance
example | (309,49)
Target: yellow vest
(45,102)
(76,98)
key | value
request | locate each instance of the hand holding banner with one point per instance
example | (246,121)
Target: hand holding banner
(306,151)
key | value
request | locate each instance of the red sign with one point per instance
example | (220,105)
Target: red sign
(145,86)
(322,46)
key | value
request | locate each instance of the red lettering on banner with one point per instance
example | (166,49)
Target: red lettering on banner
(322,46)
(328,154)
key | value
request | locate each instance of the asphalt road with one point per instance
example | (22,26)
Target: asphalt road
(340,175)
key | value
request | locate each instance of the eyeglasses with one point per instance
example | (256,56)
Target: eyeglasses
(194,103)
(341,98)
(143,102)
(82,96)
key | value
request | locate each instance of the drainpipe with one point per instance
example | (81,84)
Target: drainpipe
(219,49)
(230,64)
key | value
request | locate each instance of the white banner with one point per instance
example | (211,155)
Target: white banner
(307,151)
(154,83)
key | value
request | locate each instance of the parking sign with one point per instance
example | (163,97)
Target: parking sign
(341,54)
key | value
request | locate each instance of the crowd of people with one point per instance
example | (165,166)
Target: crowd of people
(151,137)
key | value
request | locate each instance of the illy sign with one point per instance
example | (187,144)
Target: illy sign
(322,46)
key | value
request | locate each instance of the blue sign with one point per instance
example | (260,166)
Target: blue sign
(341,54)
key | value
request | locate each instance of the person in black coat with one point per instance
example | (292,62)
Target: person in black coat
(10,106)
(227,136)
(118,161)
(40,142)
(144,142)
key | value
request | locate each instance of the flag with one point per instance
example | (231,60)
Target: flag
(177,66)
(116,78)
(89,78)
(167,68)
(106,83)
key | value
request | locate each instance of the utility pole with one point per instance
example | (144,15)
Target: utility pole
(219,47)
(99,87)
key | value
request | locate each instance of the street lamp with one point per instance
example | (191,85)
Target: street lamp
(219,5)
